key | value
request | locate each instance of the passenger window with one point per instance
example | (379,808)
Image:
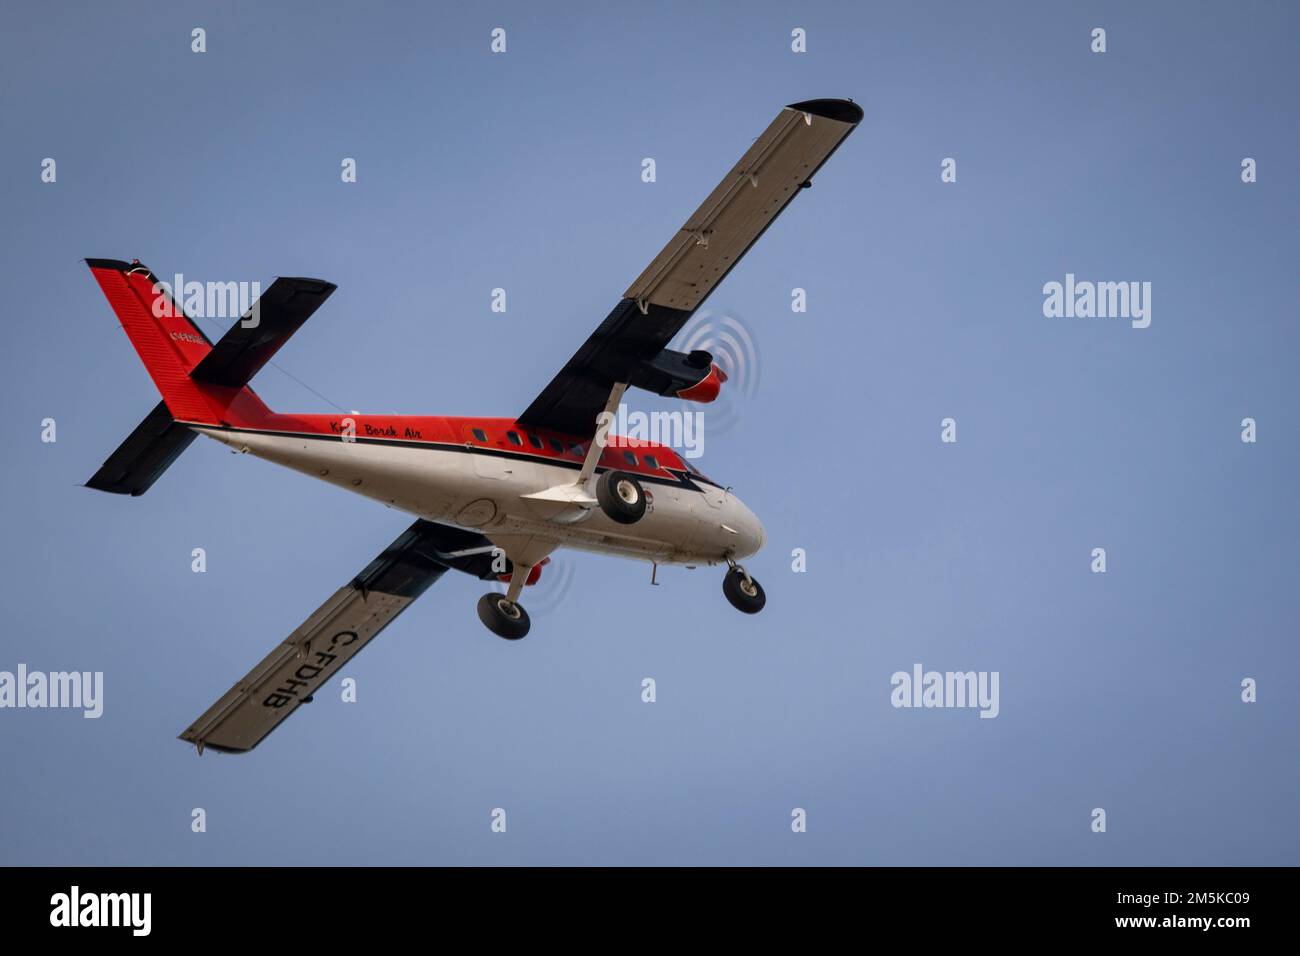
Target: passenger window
(577,450)
(479,434)
(514,438)
(629,458)
(651,462)
(557,446)
(534,441)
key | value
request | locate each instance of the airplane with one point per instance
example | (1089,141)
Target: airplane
(493,497)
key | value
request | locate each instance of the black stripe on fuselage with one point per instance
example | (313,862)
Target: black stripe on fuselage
(681,478)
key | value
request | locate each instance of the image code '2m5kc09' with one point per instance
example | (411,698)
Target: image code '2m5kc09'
(479,487)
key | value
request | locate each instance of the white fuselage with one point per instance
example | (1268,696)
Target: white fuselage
(526,505)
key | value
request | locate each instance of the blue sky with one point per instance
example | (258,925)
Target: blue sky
(1118,690)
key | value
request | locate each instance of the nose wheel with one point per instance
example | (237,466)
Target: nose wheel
(503,617)
(744,593)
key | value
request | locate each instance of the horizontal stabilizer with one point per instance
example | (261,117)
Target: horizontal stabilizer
(146,454)
(249,344)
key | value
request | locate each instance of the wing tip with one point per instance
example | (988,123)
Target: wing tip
(202,745)
(843,111)
(325,287)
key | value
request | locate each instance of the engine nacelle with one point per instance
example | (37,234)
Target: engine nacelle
(707,388)
(689,375)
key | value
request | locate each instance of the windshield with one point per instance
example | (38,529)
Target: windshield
(693,470)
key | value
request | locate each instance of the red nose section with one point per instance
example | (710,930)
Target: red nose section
(707,388)
(534,575)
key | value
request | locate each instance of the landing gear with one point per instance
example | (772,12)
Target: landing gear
(503,617)
(744,593)
(621,497)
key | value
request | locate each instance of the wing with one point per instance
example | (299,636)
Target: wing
(332,636)
(248,345)
(629,346)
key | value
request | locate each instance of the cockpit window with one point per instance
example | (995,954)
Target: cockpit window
(651,462)
(480,434)
(695,471)
(514,438)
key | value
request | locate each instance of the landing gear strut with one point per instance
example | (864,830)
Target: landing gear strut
(503,615)
(619,495)
(744,592)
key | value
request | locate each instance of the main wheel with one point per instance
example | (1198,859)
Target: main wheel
(503,618)
(621,497)
(746,597)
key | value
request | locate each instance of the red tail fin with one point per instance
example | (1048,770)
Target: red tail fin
(171,345)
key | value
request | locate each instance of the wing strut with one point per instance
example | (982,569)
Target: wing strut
(600,439)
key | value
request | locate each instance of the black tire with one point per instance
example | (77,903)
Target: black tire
(621,497)
(503,618)
(749,599)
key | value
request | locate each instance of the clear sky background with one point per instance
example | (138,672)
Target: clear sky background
(1118,690)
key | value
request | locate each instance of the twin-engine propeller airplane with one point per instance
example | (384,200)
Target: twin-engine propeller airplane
(481,488)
